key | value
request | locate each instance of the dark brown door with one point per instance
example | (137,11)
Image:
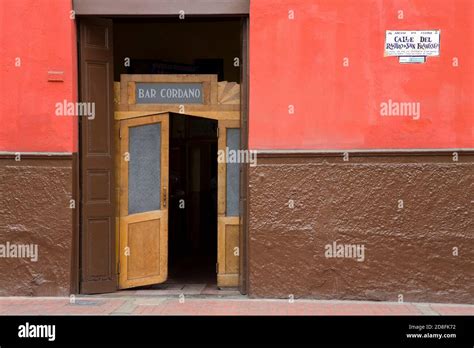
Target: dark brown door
(98,269)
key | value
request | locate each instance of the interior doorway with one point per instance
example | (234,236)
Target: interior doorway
(192,232)
(173,46)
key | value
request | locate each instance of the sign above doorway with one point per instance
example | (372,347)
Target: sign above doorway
(169,93)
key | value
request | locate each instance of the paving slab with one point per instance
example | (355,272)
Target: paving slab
(194,303)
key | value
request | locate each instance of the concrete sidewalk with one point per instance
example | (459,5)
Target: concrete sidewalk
(214,305)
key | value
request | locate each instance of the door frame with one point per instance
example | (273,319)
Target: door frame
(228,8)
(161,7)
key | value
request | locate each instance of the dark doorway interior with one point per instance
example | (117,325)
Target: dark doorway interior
(174,46)
(193,200)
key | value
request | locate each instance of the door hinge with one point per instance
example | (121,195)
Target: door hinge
(120,133)
(118,267)
(217,131)
(217,267)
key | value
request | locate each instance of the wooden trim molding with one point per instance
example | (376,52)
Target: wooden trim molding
(244,143)
(360,153)
(451,156)
(161,7)
(76,220)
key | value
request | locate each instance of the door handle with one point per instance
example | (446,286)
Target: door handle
(165,197)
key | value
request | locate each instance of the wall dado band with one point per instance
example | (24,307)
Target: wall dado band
(365,153)
(39,199)
(453,157)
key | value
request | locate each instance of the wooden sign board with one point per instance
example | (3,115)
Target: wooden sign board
(196,95)
(169,93)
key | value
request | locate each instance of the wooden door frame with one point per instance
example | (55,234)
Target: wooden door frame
(244,143)
(243,14)
(161,7)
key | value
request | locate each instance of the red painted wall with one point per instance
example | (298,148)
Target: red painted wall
(42,35)
(293,62)
(300,62)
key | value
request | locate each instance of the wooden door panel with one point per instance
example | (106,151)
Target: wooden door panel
(229,252)
(231,248)
(98,271)
(145,236)
(228,240)
(143,250)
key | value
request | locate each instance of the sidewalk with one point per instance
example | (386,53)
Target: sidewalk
(214,305)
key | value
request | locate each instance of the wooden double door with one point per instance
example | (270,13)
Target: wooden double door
(143,179)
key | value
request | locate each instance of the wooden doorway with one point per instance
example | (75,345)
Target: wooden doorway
(100,228)
(221,103)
